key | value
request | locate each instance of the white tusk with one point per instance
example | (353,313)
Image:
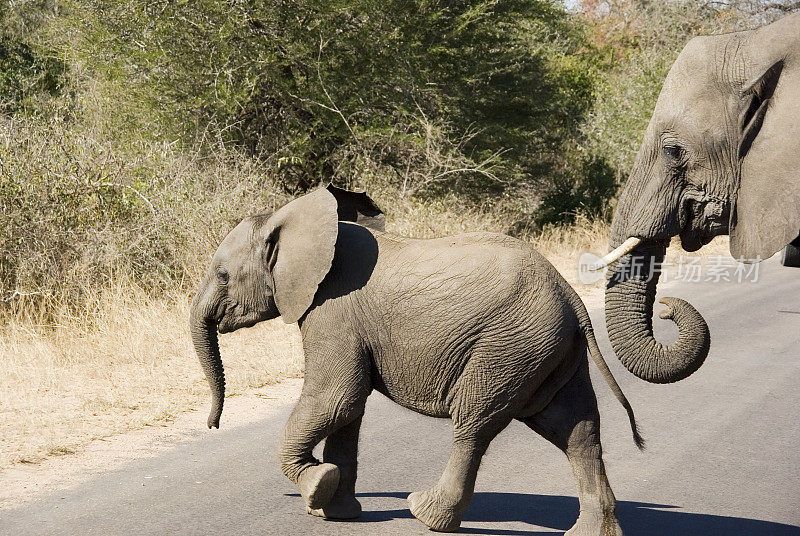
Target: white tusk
(618,252)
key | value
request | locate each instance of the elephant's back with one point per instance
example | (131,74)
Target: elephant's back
(467,252)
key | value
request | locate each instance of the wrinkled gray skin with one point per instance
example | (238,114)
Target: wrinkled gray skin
(477,327)
(721,156)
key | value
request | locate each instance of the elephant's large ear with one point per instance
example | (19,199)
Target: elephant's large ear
(300,245)
(358,207)
(765,215)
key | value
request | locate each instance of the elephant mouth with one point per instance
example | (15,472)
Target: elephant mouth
(704,219)
(233,319)
(693,238)
(225,327)
(691,241)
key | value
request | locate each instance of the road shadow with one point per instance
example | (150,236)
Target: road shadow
(560,512)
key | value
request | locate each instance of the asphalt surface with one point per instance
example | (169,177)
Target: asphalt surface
(722,456)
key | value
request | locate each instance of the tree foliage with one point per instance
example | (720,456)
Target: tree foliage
(319,86)
(134,132)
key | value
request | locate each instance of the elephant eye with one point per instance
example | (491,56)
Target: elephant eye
(673,152)
(222,275)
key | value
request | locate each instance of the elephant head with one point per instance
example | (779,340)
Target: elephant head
(270,265)
(721,155)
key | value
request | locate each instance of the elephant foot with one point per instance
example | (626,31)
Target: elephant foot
(318,484)
(433,509)
(341,507)
(596,524)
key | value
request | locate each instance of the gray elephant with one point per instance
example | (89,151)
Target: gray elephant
(721,155)
(477,327)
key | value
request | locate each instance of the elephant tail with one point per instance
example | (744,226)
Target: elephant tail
(597,357)
(594,350)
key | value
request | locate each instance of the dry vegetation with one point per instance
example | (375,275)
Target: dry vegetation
(129,364)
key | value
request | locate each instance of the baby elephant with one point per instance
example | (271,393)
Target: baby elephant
(477,327)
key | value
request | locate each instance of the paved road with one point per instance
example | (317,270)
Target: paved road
(723,456)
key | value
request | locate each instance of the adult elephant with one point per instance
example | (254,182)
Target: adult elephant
(721,155)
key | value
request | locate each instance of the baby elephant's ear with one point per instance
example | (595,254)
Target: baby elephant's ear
(358,208)
(301,239)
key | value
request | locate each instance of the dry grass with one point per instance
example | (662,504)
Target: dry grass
(563,245)
(127,365)
(442,217)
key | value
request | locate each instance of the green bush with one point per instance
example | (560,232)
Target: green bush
(77,213)
(314,86)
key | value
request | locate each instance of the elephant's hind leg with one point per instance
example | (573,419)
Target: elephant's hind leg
(442,506)
(572,423)
(478,416)
(341,449)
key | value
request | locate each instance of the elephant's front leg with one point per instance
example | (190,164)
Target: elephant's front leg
(307,426)
(341,449)
(334,393)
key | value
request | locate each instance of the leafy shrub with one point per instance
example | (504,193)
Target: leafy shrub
(315,86)
(76,213)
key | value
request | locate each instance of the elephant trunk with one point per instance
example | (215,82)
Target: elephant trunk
(203,328)
(630,292)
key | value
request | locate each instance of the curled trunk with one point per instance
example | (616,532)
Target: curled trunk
(206,344)
(630,292)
